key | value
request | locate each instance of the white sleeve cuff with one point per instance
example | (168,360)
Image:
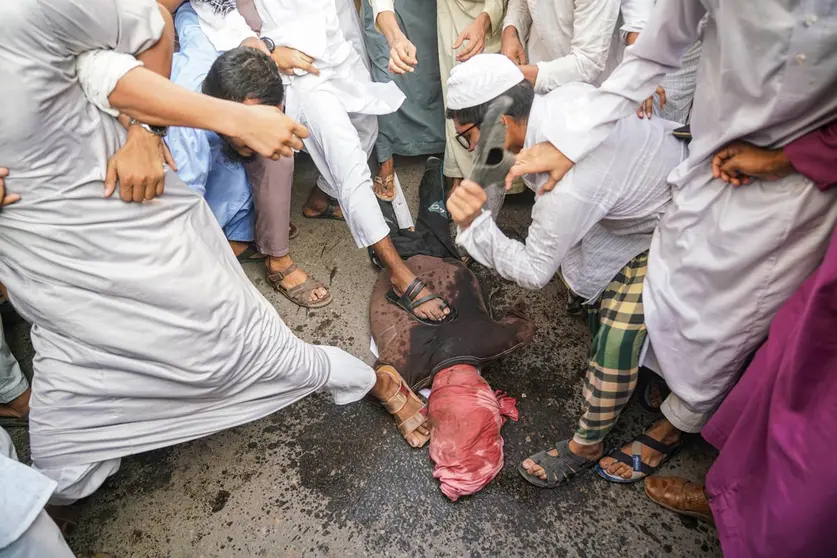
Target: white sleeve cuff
(98,73)
(464,237)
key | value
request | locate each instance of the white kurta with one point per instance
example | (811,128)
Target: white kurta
(338,106)
(724,259)
(146,330)
(569,41)
(599,217)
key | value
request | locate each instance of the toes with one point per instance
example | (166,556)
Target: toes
(528,464)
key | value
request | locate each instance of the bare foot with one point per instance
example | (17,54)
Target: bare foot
(293,279)
(386,387)
(662,431)
(434,310)
(17,407)
(319,203)
(591,452)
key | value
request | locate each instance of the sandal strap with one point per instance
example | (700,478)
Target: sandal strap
(412,291)
(280,275)
(562,467)
(306,287)
(416,303)
(411,424)
(628,460)
(399,399)
(647,440)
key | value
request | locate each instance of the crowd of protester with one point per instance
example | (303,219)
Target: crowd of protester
(683,155)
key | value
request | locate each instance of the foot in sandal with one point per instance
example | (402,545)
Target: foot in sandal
(550,468)
(658,444)
(384,183)
(300,288)
(409,412)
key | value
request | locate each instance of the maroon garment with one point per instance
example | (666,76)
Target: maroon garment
(773,488)
(814,155)
(417,350)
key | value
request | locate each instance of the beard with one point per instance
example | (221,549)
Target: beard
(232,154)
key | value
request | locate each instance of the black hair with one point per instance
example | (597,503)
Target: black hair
(522,96)
(244,74)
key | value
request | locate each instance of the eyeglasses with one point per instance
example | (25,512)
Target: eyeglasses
(462,140)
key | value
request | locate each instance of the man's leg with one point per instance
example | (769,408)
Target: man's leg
(77,481)
(613,369)
(271,183)
(335,147)
(42,539)
(14,389)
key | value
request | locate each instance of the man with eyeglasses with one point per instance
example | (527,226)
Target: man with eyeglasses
(595,227)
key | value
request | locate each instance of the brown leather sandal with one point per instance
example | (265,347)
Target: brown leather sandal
(383,185)
(397,402)
(299,294)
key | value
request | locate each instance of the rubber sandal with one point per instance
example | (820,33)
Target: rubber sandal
(639,470)
(384,184)
(397,402)
(14,422)
(293,231)
(299,294)
(330,212)
(250,254)
(559,469)
(408,303)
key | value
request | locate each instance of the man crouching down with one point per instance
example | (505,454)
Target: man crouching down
(596,226)
(147,331)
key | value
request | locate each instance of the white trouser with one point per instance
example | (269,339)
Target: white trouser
(43,539)
(340,145)
(78,481)
(722,262)
(12,381)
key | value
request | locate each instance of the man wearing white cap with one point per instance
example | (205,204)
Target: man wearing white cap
(596,227)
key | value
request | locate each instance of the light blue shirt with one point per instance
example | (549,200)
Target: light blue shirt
(197,153)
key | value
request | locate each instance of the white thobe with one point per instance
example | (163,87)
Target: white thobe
(339,107)
(598,218)
(568,41)
(147,332)
(724,259)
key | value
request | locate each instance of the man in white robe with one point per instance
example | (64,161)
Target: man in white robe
(723,259)
(595,227)
(146,330)
(332,93)
(561,42)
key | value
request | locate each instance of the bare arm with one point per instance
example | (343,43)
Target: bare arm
(152,99)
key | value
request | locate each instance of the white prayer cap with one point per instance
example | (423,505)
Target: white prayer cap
(481,79)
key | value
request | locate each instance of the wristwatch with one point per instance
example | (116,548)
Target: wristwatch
(160,131)
(268,42)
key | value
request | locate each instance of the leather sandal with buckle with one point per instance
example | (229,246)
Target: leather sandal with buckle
(301,293)
(400,398)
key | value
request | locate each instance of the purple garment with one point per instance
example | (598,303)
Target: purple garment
(773,488)
(814,155)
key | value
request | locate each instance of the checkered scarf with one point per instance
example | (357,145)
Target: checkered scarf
(222,7)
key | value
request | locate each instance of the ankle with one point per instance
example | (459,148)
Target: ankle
(588,451)
(385,387)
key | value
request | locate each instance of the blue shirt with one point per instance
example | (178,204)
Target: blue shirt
(197,153)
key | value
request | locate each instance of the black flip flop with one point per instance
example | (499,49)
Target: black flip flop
(559,469)
(329,213)
(14,422)
(639,470)
(250,254)
(408,302)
